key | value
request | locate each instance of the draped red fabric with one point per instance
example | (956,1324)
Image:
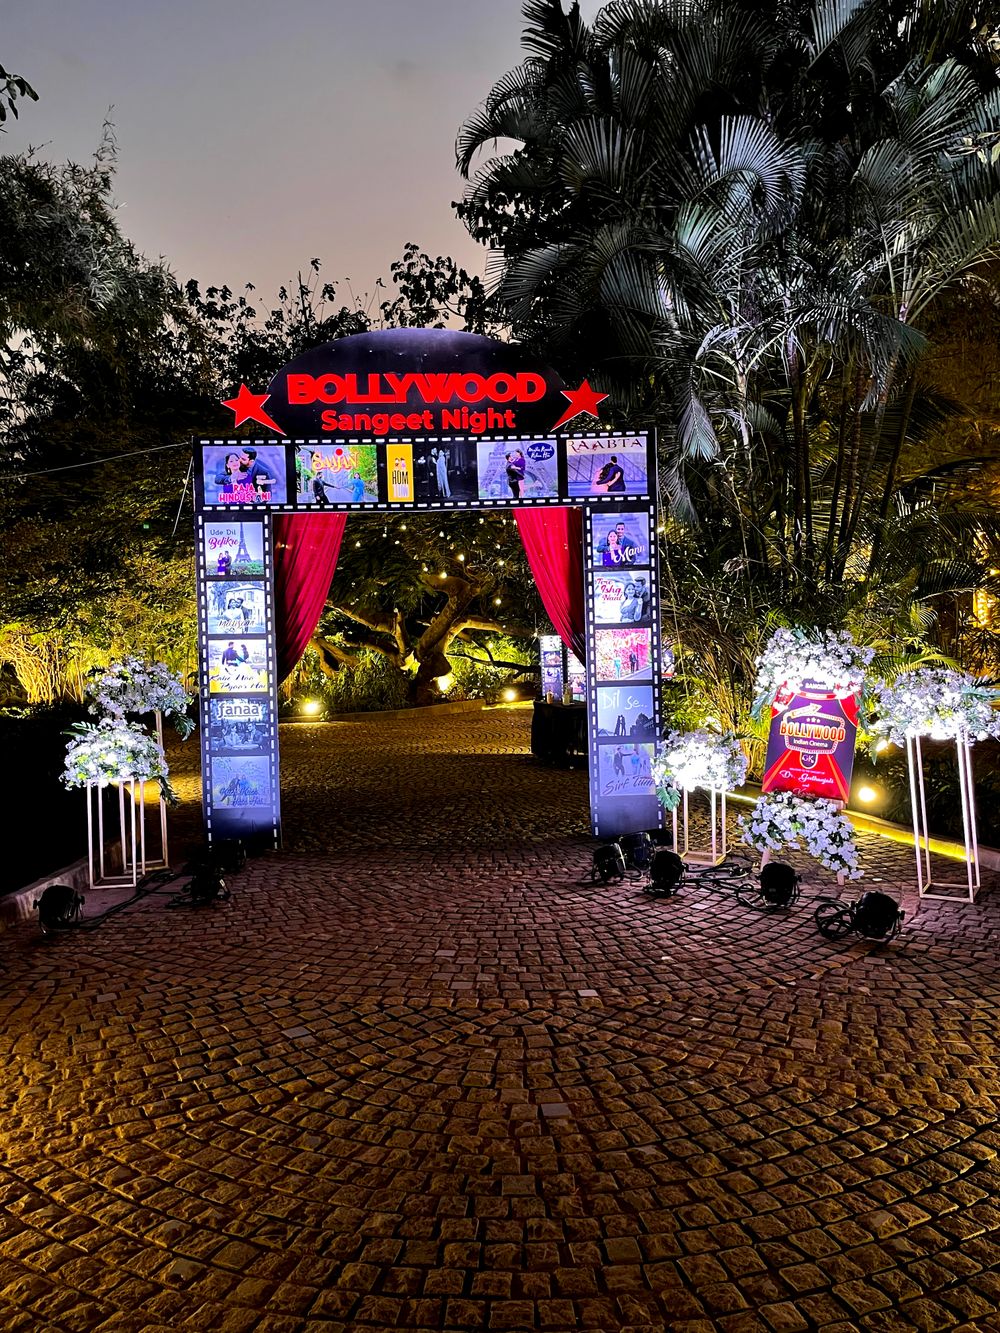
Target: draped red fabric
(553,543)
(306,547)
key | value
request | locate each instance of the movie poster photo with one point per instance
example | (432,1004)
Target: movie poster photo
(576,675)
(621,540)
(399,474)
(622,599)
(550,651)
(602,466)
(240,782)
(236,607)
(518,470)
(336,474)
(237,666)
(235,474)
(445,470)
(625,712)
(625,768)
(624,654)
(233,550)
(239,726)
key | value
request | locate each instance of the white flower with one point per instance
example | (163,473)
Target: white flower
(935,702)
(819,827)
(138,687)
(693,759)
(827,658)
(113,751)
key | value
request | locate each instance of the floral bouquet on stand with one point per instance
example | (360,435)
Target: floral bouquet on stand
(135,687)
(687,760)
(814,825)
(827,659)
(114,750)
(935,702)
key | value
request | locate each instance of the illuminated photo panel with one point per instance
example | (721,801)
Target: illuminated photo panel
(239,726)
(602,466)
(236,606)
(238,474)
(328,473)
(237,666)
(445,470)
(626,712)
(621,599)
(518,470)
(233,549)
(241,782)
(622,540)
(625,768)
(623,654)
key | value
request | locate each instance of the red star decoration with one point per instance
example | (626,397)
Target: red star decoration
(584,399)
(250,407)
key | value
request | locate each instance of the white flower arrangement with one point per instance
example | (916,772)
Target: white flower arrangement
(137,687)
(819,827)
(793,657)
(687,760)
(935,702)
(113,750)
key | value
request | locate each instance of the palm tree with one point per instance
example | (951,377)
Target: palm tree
(741,220)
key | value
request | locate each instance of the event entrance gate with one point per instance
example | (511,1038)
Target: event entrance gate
(421,421)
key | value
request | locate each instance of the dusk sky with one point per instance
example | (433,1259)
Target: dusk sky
(253,134)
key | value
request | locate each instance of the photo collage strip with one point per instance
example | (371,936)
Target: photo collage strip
(623,667)
(436,473)
(239,709)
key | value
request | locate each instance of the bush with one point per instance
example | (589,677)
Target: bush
(46,824)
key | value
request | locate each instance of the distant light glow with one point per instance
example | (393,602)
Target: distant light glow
(312,707)
(868,794)
(510,696)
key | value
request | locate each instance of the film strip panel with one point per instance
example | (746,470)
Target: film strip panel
(239,698)
(438,473)
(624,666)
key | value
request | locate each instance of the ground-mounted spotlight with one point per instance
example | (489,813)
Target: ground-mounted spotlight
(207,886)
(637,849)
(779,885)
(58,908)
(229,856)
(877,916)
(874,916)
(609,864)
(666,870)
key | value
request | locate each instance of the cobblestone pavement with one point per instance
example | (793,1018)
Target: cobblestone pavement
(420,1074)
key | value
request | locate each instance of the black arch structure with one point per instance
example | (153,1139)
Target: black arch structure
(401,386)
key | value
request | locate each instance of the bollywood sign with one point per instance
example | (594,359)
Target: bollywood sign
(810,747)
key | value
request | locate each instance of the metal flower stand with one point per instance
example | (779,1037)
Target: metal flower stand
(160,860)
(926,884)
(716,853)
(131,847)
(118,857)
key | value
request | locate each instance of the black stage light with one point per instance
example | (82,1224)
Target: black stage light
(230,856)
(207,886)
(609,863)
(877,916)
(666,869)
(779,884)
(58,907)
(637,849)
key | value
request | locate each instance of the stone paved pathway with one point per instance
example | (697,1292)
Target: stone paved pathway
(419,1075)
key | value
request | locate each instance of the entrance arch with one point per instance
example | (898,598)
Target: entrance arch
(420,421)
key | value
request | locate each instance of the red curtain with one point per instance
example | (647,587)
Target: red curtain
(306,547)
(553,542)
